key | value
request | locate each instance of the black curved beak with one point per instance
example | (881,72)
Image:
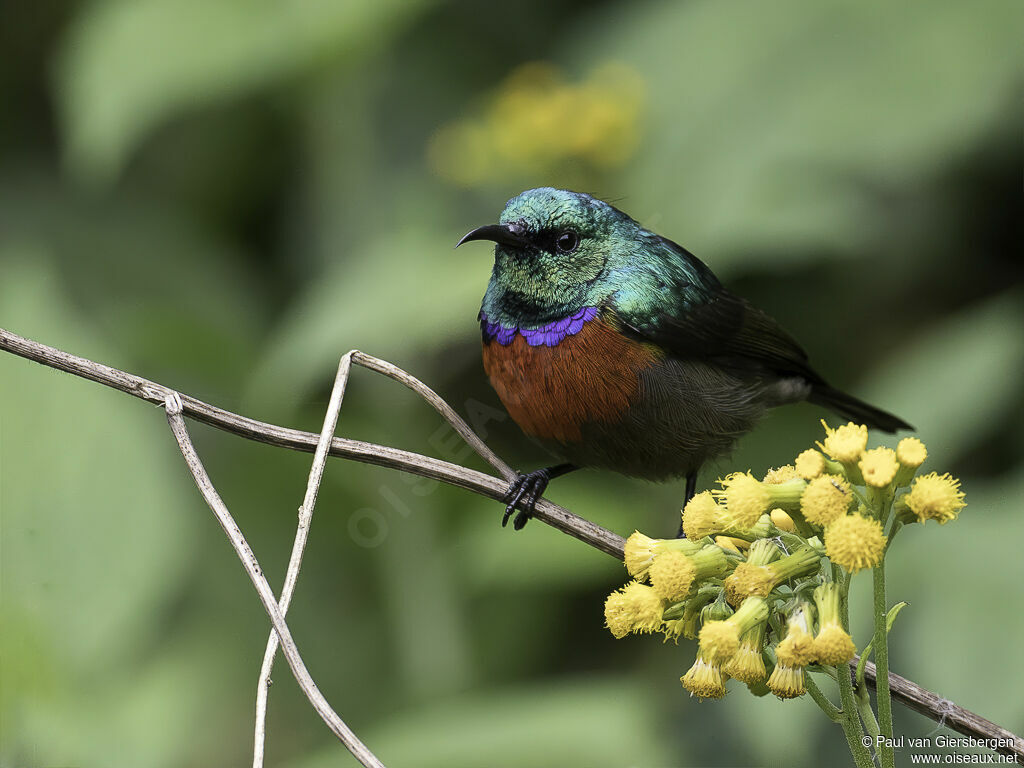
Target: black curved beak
(502,234)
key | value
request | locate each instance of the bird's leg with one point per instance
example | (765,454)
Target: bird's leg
(691,488)
(527,489)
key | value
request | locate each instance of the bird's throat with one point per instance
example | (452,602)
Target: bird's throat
(548,335)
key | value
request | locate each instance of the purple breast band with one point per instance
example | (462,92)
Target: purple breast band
(547,335)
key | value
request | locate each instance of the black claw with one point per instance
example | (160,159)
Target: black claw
(524,492)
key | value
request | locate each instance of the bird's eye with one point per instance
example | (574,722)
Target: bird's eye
(567,241)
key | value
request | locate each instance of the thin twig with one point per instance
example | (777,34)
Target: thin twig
(359,750)
(313,485)
(910,694)
(316,472)
(283,437)
(449,414)
(946,713)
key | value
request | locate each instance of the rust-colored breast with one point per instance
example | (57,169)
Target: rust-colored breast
(551,392)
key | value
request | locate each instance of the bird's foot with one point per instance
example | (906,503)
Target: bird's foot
(524,490)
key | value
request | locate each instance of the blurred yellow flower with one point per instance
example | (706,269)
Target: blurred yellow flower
(538,120)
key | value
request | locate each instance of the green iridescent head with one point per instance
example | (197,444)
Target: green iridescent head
(557,252)
(552,249)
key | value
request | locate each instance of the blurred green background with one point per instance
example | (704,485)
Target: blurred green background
(224,197)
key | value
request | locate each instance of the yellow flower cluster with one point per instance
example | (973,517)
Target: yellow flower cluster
(757,549)
(538,120)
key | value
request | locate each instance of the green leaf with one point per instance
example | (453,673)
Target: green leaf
(890,619)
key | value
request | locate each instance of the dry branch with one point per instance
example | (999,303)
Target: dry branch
(909,693)
(252,567)
(291,578)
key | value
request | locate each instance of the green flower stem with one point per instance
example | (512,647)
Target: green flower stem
(832,712)
(880,500)
(881,649)
(867,715)
(850,720)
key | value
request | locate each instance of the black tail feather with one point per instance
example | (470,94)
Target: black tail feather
(856,410)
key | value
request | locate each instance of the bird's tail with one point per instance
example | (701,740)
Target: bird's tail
(856,410)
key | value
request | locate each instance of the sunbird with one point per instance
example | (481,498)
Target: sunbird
(619,349)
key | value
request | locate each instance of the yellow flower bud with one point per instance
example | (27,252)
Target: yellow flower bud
(640,551)
(672,575)
(797,648)
(792,655)
(746,580)
(752,579)
(783,474)
(879,467)
(855,542)
(787,682)
(727,542)
(911,452)
(826,498)
(747,664)
(702,516)
(845,444)
(746,499)
(704,680)
(782,520)
(639,554)
(810,464)
(833,645)
(719,640)
(617,616)
(935,497)
(634,608)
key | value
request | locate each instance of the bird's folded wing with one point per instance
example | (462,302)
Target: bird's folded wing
(722,328)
